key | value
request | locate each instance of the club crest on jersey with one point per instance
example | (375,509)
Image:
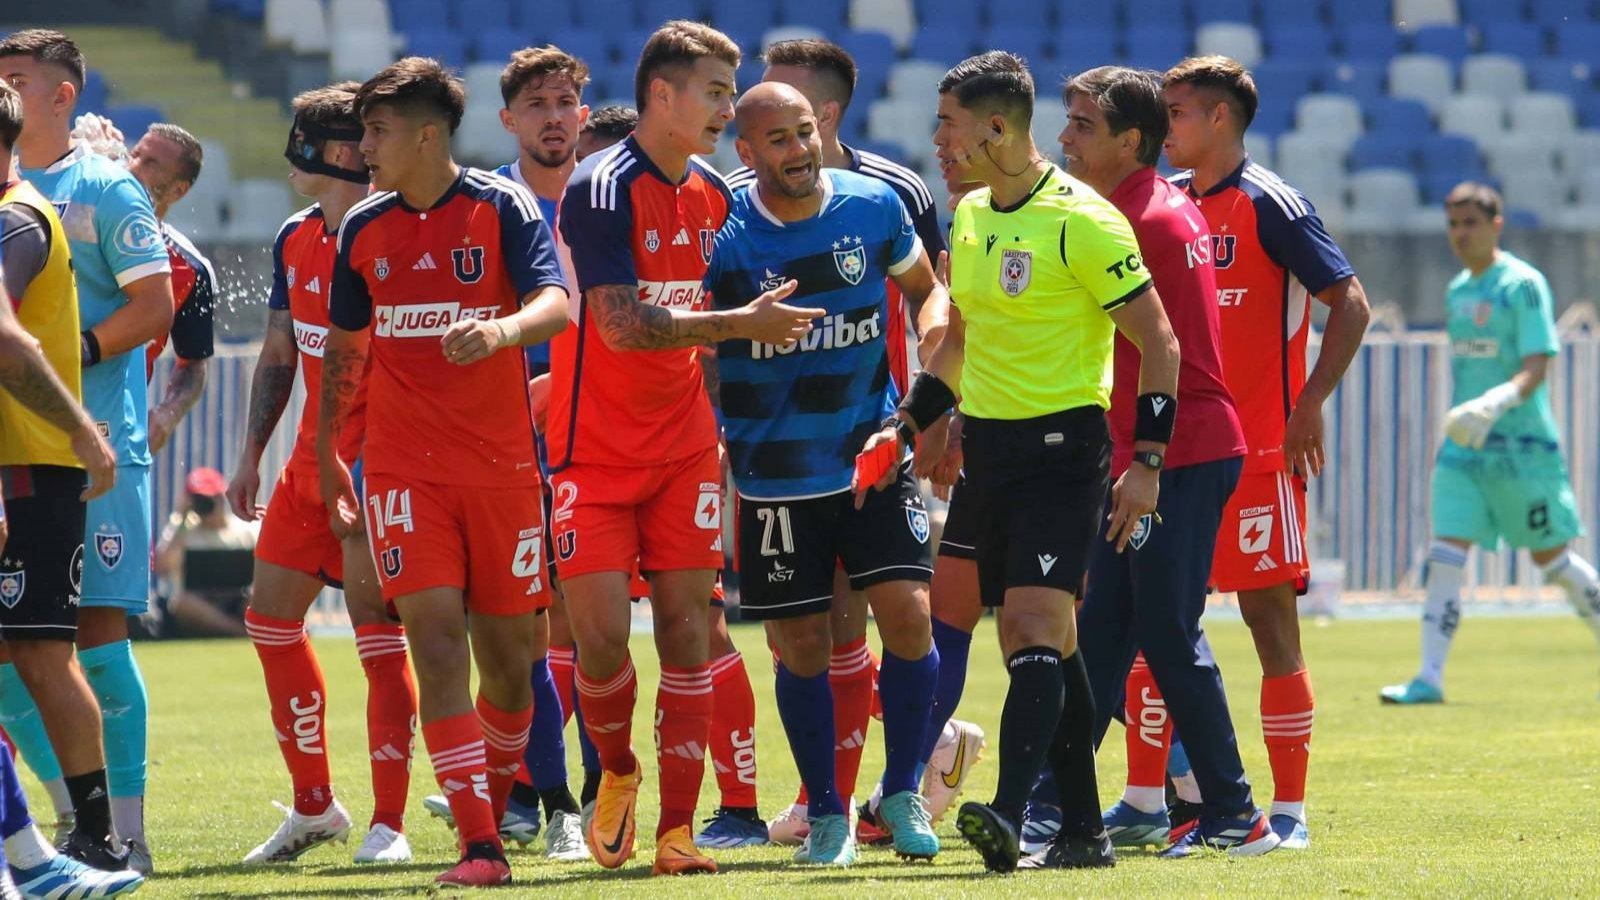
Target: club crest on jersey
(109,546)
(390,559)
(1481,313)
(708,239)
(566,545)
(469,263)
(652,240)
(1141,532)
(380,267)
(1222,247)
(1016,270)
(289,276)
(12,584)
(851,263)
(917,519)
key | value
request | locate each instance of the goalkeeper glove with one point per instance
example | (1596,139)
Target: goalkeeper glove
(1470,423)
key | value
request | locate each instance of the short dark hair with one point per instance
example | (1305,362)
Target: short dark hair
(331,106)
(47,45)
(1473,193)
(190,154)
(612,123)
(540,63)
(1222,75)
(415,85)
(1129,98)
(996,81)
(10,116)
(675,47)
(825,58)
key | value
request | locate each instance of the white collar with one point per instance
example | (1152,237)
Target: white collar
(827,195)
(79,151)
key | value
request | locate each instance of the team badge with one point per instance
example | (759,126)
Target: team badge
(390,558)
(469,264)
(652,240)
(1222,247)
(289,276)
(380,267)
(917,519)
(1481,313)
(708,239)
(566,545)
(12,584)
(1016,270)
(851,261)
(1141,532)
(108,545)
(1255,532)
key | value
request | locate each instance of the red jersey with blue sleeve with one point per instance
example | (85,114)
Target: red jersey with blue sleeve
(625,223)
(1176,244)
(411,274)
(1272,254)
(194,297)
(302,280)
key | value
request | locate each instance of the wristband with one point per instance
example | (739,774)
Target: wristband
(1155,417)
(928,399)
(89,347)
(902,429)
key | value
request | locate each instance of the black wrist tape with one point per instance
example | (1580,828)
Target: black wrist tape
(1157,413)
(89,346)
(928,399)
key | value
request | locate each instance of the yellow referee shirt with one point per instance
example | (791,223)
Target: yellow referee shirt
(1034,284)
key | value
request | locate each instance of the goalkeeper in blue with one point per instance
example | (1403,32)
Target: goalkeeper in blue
(1499,473)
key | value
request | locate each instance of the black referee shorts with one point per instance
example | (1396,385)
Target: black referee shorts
(1036,488)
(41,566)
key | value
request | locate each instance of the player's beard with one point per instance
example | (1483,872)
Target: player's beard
(551,159)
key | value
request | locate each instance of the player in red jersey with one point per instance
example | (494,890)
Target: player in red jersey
(633,446)
(1149,594)
(1272,254)
(298,553)
(451,268)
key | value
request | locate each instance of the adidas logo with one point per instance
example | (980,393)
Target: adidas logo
(853,740)
(682,238)
(315,286)
(424,264)
(690,750)
(1265,563)
(387,753)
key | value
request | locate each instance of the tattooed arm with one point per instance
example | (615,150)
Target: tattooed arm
(270,388)
(188,382)
(344,359)
(627,323)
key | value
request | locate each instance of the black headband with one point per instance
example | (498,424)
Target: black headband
(307,140)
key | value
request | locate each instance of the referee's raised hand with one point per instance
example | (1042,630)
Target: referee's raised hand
(768,320)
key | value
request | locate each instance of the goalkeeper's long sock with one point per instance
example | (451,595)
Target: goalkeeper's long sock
(1441,613)
(1582,585)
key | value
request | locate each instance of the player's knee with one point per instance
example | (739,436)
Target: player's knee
(804,644)
(437,655)
(101,625)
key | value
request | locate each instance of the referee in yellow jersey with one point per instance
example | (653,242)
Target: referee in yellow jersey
(1043,271)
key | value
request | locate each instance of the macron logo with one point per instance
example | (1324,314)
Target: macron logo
(1159,403)
(425,264)
(1046,563)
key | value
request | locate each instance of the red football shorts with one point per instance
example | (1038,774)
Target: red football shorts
(665,517)
(295,532)
(1262,541)
(488,542)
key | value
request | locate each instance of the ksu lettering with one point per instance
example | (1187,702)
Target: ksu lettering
(835,332)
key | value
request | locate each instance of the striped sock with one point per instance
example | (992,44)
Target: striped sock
(683,726)
(391,719)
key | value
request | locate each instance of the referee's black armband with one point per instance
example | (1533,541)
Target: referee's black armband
(928,399)
(1154,420)
(89,348)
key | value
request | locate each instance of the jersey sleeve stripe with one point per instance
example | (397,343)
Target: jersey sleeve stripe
(1281,194)
(524,202)
(740,177)
(607,175)
(359,211)
(291,223)
(893,172)
(145,270)
(1129,297)
(915,253)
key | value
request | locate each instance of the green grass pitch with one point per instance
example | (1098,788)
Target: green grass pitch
(1493,794)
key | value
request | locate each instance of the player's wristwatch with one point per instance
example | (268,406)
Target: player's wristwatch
(1149,459)
(907,434)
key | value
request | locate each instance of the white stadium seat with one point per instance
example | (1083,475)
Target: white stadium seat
(358,54)
(482,80)
(1543,113)
(896,18)
(300,24)
(358,15)
(1259,146)
(1381,197)
(1481,118)
(258,206)
(1521,152)
(1493,75)
(1416,13)
(905,124)
(481,139)
(1422,77)
(1309,156)
(1332,117)
(1541,192)
(1049,119)
(916,79)
(1577,153)
(1233,39)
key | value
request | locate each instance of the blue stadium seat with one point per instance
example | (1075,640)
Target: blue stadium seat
(1361,80)
(1163,13)
(1036,14)
(251,10)
(626,43)
(1383,151)
(1344,12)
(1155,46)
(133,120)
(1287,76)
(943,45)
(1089,13)
(1579,41)
(608,16)
(871,84)
(654,12)
(1084,48)
(1451,153)
(1519,39)
(1274,116)
(958,14)
(1589,111)
(1491,12)
(746,17)
(1224,11)
(584,44)
(1396,116)
(1374,42)
(1288,12)
(1436,182)
(872,50)
(1028,43)
(478,15)
(543,17)
(497,45)
(1560,76)
(1299,42)
(419,15)
(1448,41)
(1561,12)
(94,94)
(448,47)
(827,16)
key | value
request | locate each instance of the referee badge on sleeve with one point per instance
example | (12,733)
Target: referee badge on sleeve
(1016,270)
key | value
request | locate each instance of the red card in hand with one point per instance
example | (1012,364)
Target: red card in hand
(872,465)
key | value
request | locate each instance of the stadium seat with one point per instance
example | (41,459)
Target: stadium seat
(1451,153)
(497,46)
(1561,76)
(481,139)
(95,94)
(945,45)
(1589,188)
(1383,151)
(133,119)
(1421,77)
(449,47)
(1369,11)
(1561,12)
(1541,193)
(827,16)
(1435,183)
(790,33)
(585,45)
(895,18)
(916,79)
(361,15)
(948,14)
(416,16)
(1223,11)
(1090,14)
(1477,117)
(753,17)
(1077,49)
(301,24)
(1381,197)
(1375,41)
(1155,46)
(256,208)
(1499,13)
(1028,43)
(1049,120)
(1543,114)
(1308,12)
(1578,40)
(1589,111)
(1170,13)
(1418,13)
(482,79)
(872,51)
(1274,116)
(1260,147)
(905,124)
(1448,41)
(544,17)
(605,16)
(1336,116)
(1395,116)
(1519,39)
(1288,76)
(1521,153)
(1236,39)
(358,53)
(1309,156)
(1299,42)
(1039,15)
(1493,75)
(1361,80)
(656,11)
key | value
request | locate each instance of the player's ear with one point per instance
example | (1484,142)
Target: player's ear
(998,133)
(746,152)
(66,97)
(507,122)
(179,190)
(583,116)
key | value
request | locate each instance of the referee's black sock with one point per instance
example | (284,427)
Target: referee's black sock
(1027,725)
(1072,752)
(91,803)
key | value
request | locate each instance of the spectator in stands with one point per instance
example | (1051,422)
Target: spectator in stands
(606,126)
(204,555)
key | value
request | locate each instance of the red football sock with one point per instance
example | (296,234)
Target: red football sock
(608,717)
(1149,730)
(733,731)
(297,696)
(391,719)
(505,736)
(683,724)
(562,669)
(456,749)
(1286,713)
(852,676)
